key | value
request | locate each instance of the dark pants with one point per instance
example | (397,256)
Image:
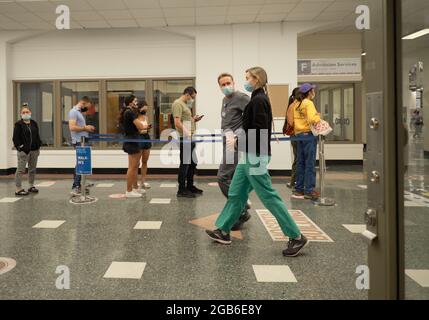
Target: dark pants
(295,162)
(306,172)
(188,164)
(77,178)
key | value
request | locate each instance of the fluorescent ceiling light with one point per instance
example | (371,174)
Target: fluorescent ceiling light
(417,34)
(363,54)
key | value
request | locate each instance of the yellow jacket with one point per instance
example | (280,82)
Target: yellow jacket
(305,114)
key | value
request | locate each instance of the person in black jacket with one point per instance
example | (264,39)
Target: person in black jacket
(26,140)
(252,172)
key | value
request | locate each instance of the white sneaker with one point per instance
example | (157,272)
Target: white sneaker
(133,194)
(140,191)
(146,185)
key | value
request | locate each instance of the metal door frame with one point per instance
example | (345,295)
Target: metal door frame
(385,252)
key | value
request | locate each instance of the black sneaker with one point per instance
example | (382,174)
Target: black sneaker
(295,246)
(33,190)
(185,194)
(243,218)
(195,190)
(21,193)
(218,236)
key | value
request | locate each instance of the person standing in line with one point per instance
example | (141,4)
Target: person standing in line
(305,115)
(418,123)
(144,146)
(132,128)
(294,144)
(26,139)
(233,105)
(79,129)
(184,123)
(252,170)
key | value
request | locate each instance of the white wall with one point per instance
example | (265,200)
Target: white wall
(203,52)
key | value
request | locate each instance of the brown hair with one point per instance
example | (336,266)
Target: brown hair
(85,99)
(224,75)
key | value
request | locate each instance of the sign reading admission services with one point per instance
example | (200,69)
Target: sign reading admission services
(330,67)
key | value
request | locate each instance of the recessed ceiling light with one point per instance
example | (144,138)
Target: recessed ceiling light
(363,54)
(417,34)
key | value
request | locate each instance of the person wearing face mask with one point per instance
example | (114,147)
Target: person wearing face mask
(133,127)
(252,171)
(144,146)
(233,105)
(184,123)
(26,140)
(305,115)
(79,129)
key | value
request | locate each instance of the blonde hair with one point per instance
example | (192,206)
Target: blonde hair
(260,75)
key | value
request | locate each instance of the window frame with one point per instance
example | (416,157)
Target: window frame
(102,93)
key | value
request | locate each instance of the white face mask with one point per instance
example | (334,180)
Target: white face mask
(190,103)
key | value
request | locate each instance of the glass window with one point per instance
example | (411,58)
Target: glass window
(117,91)
(165,92)
(40,98)
(336,103)
(71,92)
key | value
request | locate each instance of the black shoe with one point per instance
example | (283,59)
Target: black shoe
(290,185)
(21,193)
(195,190)
(295,246)
(218,236)
(33,190)
(243,218)
(185,194)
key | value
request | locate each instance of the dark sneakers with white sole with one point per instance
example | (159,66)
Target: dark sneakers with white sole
(219,236)
(294,247)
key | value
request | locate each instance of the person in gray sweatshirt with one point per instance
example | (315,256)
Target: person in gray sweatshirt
(233,105)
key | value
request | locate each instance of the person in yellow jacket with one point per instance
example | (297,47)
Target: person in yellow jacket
(305,115)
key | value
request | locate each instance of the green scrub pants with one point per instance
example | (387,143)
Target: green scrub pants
(252,174)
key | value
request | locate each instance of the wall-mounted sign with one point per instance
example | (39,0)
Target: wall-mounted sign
(330,67)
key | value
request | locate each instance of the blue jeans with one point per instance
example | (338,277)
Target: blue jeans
(306,172)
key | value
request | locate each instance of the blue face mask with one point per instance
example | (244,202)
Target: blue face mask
(248,86)
(26,117)
(228,90)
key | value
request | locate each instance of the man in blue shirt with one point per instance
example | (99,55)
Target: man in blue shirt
(79,129)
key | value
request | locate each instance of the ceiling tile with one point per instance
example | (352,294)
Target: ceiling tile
(241,19)
(38,6)
(148,23)
(74,5)
(184,21)
(177,3)
(270,17)
(179,12)
(243,10)
(94,24)
(211,11)
(107,4)
(211,3)
(210,20)
(142,4)
(116,14)
(86,16)
(147,13)
(129,23)
(277,8)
